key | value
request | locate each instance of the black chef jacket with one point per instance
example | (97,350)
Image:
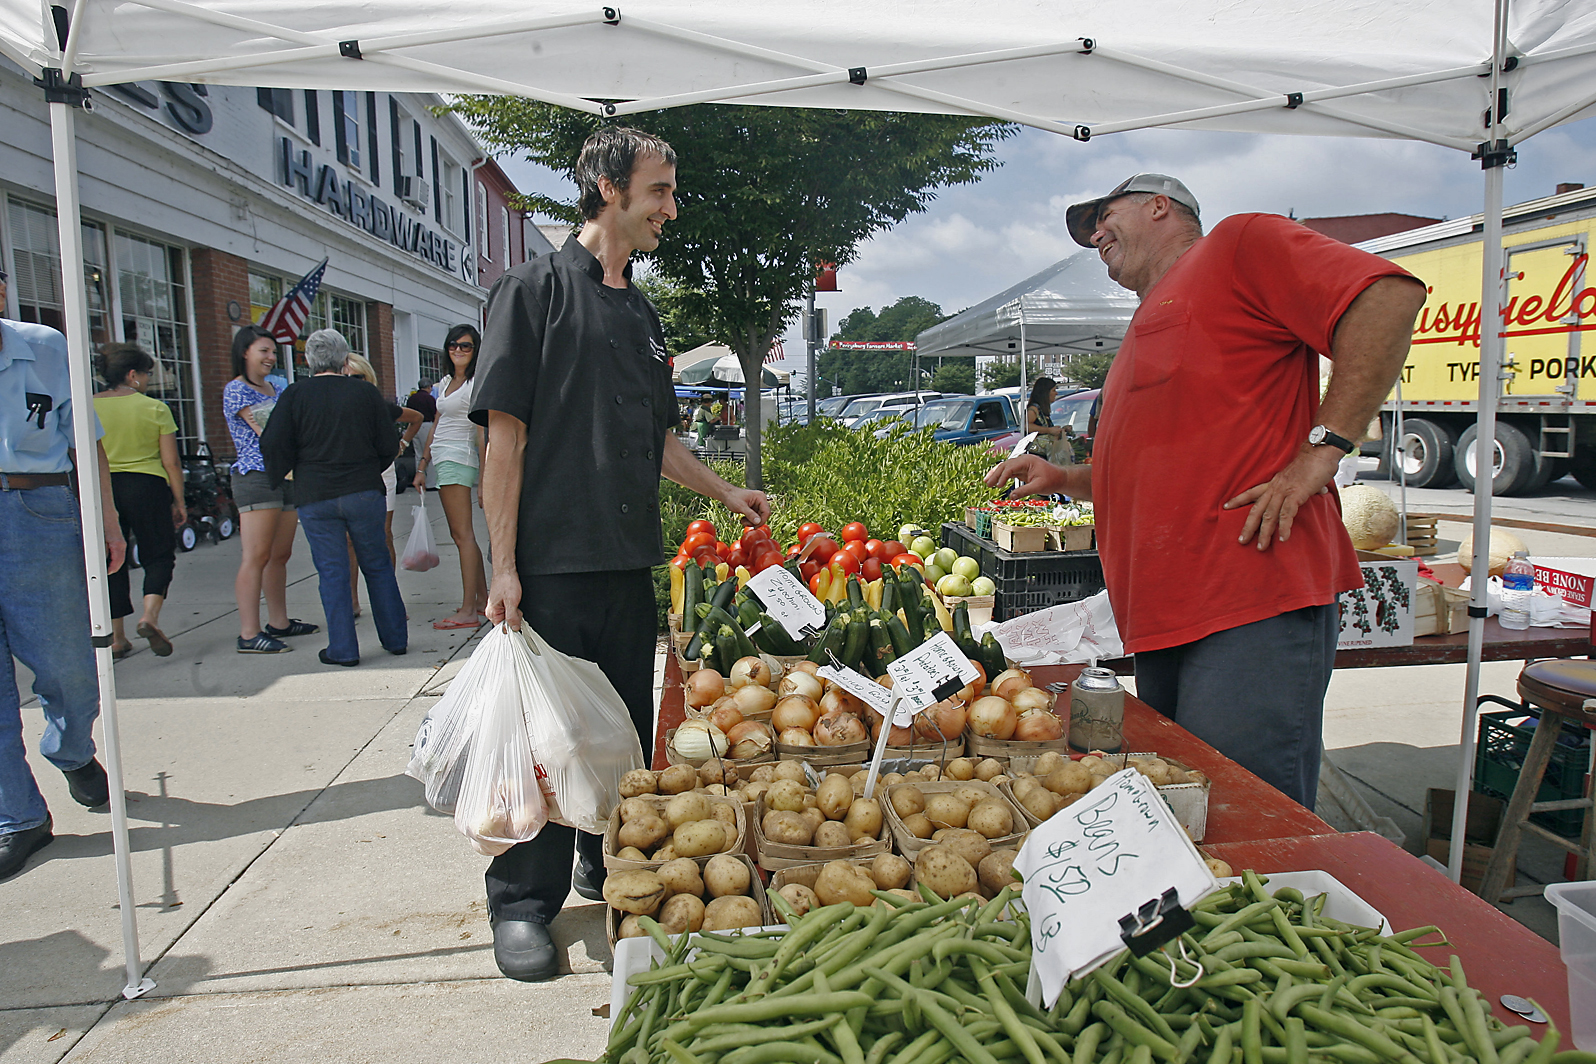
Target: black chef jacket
(584,367)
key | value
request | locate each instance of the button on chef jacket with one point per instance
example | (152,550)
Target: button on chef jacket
(584,367)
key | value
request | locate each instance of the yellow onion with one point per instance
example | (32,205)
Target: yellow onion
(1032,698)
(754,699)
(992,718)
(725,715)
(749,739)
(795,711)
(943,720)
(812,668)
(972,690)
(838,700)
(1010,683)
(896,735)
(802,683)
(776,670)
(839,729)
(703,687)
(749,671)
(1037,726)
(796,737)
(699,740)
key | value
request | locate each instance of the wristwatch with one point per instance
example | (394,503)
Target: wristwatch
(1318,436)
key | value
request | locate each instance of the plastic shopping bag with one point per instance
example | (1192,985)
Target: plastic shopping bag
(438,756)
(421,552)
(501,801)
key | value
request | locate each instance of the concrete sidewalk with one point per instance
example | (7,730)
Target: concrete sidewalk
(298,901)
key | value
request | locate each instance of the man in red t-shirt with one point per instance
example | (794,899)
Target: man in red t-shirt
(1222,544)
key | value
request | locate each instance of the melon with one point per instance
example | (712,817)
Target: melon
(1503,546)
(1371,517)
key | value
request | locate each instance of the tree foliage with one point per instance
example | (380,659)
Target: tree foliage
(955,375)
(1004,373)
(1089,370)
(765,193)
(683,331)
(856,372)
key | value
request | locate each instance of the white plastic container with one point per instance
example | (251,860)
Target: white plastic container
(1576,935)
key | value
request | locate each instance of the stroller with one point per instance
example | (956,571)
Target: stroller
(208,495)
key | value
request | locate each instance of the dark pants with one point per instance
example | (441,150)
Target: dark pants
(144,502)
(330,526)
(607,618)
(1255,693)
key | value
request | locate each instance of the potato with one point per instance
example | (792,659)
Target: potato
(988,768)
(723,813)
(972,794)
(790,770)
(755,790)
(1220,869)
(678,778)
(785,794)
(890,871)
(719,790)
(634,892)
(992,818)
(947,810)
(636,782)
(631,853)
(731,911)
(787,827)
(909,894)
(630,928)
(944,872)
(697,838)
(1039,802)
(681,912)
(717,771)
(643,832)
(800,897)
(725,875)
(995,870)
(763,774)
(832,833)
(840,881)
(665,853)
(1156,769)
(810,801)
(891,778)
(941,833)
(681,876)
(834,796)
(918,825)
(864,819)
(632,808)
(970,845)
(1073,778)
(961,768)
(685,808)
(907,800)
(813,817)
(1047,762)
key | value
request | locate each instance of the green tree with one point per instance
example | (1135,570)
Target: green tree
(863,372)
(1002,374)
(904,320)
(765,193)
(1089,370)
(880,371)
(955,375)
(683,331)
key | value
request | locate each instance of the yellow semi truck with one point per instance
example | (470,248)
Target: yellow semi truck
(1546,398)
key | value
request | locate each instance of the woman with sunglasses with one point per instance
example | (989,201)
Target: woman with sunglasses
(454,455)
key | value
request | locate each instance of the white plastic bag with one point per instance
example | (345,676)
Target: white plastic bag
(438,757)
(1072,631)
(501,801)
(421,552)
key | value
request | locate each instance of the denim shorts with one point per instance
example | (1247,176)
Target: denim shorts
(456,473)
(252,491)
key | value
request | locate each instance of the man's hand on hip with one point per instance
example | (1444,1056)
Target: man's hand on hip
(504,599)
(1275,504)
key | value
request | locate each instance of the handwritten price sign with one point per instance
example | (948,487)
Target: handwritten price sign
(787,601)
(928,668)
(868,691)
(1095,862)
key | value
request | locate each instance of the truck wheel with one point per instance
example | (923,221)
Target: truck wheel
(1583,466)
(1425,453)
(1513,461)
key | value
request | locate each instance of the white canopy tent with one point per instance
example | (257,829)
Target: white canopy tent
(1424,70)
(1069,308)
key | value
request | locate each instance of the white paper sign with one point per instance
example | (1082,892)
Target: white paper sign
(787,601)
(867,690)
(917,675)
(1103,857)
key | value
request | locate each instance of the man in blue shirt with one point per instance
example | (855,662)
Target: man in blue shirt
(44,602)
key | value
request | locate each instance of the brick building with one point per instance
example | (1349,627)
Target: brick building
(508,235)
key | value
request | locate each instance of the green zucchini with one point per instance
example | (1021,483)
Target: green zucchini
(857,642)
(992,657)
(901,641)
(726,647)
(831,640)
(881,653)
(855,592)
(692,589)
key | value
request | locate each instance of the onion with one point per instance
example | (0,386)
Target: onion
(839,729)
(749,739)
(749,671)
(754,699)
(699,740)
(972,690)
(703,687)
(802,683)
(1032,698)
(795,711)
(795,737)
(725,715)
(776,671)
(944,720)
(812,668)
(1010,683)
(837,700)
(992,718)
(1038,726)
(885,680)
(896,736)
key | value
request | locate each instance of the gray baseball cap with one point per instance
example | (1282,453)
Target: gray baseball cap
(1082,217)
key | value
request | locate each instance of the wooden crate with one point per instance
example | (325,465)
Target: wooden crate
(1439,610)
(1421,534)
(1021,539)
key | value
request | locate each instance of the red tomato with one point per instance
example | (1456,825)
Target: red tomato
(702,526)
(792,551)
(855,530)
(808,529)
(721,549)
(736,556)
(825,548)
(857,548)
(813,580)
(844,562)
(706,550)
(807,571)
(766,560)
(696,540)
(873,547)
(892,549)
(870,569)
(681,561)
(909,559)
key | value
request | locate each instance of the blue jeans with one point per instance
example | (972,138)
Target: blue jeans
(359,518)
(44,622)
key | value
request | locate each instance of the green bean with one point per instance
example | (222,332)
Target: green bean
(1138,1006)
(1242,918)
(1475,1034)
(808,929)
(1354,1031)
(1087,1041)
(1547,1050)
(1573,1056)
(1142,1054)
(1296,1041)
(882,1046)
(677,1053)
(960,1038)
(1392,982)
(1000,1007)
(736,946)
(914,1049)
(780,1053)
(1252,1032)
(1234,977)
(1079,1013)
(1222,1047)
(1241,951)
(1188,1043)
(1124,1024)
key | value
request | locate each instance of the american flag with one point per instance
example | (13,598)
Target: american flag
(288,314)
(776,352)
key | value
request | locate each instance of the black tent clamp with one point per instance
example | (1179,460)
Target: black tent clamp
(1154,923)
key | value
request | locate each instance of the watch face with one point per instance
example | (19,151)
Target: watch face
(1316,434)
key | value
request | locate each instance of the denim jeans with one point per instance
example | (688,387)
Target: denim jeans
(44,622)
(359,518)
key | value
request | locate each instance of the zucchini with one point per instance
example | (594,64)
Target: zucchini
(911,599)
(961,624)
(855,593)
(992,657)
(831,640)
(748,612)
(889,590)
(901,643)
(881,653)
(857,641)
(726,647)
(724,592)
(779,642)
(692,589)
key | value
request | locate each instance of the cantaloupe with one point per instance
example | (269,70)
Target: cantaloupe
(1503,545)
(1371,517)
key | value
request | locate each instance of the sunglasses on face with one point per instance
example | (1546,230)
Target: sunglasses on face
(467,346)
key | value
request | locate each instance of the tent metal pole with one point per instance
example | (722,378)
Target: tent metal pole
(1494,157)
(1022,353)
(91,508)
(809,351)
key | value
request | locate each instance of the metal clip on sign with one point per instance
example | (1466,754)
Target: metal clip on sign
(1154,923)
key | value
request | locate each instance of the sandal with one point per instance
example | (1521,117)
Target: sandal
(451,623)
(120,652)
(159,644)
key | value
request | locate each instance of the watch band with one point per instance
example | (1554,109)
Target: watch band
(1320,435)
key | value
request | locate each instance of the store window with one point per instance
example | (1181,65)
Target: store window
(327,311)
(450,177)
(432,363)
(279,102)
(482,222)
(313,117)
(151,281)
(346,127)
(348,316)
(36,278)
(504,235)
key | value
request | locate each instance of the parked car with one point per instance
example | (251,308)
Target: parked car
(966,419)
(881,414)
(1074,411)
(833,406)
(865,404)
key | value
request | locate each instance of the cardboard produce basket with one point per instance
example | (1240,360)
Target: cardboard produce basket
(846,754)
(1021,539)
(1006,750)
(756,890)
(1073,537)
(774,856)
(673,758)
(910,845)
(611,846)
(806,874)
(980,606)
(1187,801)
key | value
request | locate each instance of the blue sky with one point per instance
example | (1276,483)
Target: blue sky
(976,240)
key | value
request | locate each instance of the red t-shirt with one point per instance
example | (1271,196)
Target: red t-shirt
(1213,391)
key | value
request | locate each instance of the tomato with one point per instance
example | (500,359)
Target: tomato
(844,562)
(696,540)
(825,548)
(681,561)
(702,526)
(766,560)
(736,556)
(855,530)
(706,550)
(807,529)
(856,548)
(807,571)
(870,569)
(813,581)
(892,549)
(909,559)
(873,548)
(792,551)
(721,548)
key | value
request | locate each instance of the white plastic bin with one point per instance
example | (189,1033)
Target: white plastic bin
(1576,934)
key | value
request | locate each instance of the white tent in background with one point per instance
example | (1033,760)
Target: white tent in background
(1423,70)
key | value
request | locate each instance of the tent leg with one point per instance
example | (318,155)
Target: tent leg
(91,507)
(1023,390)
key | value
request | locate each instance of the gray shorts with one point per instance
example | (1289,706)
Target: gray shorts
(252,491)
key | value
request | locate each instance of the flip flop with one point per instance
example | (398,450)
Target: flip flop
(159,644)
(449,623)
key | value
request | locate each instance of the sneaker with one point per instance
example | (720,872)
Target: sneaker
(295,627)
(17,846)
(88,784)
(262,644)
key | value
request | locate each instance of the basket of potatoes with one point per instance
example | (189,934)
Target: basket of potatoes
(809,886)
(921,814)
(966,862)
(794,824)
(1043,785)
(648,830)
(687,894)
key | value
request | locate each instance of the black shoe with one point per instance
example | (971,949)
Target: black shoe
(17,846)
(295,627)
(89,786)
(588,882)
(401,652)
(262,644)
(525,951)
(325,660)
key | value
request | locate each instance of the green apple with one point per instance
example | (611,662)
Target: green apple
(945,559)
(983,585)
(953,586)
(924,546)
(909,533)
(934,573)
(966,567)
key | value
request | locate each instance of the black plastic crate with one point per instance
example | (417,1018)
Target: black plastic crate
(1032,581)
(1499,758)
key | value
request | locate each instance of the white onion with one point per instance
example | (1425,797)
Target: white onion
(802,683)
(749,671)
(725,715)
(699,740)
(1010,683)
(1032,698)
(754,699)
(992,718)
(838,700)
(749,739)
(944,720)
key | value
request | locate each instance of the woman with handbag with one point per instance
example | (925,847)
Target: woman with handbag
(1052,441)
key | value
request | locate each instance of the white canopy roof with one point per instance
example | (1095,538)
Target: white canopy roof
(1356,67)
(1069,307)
